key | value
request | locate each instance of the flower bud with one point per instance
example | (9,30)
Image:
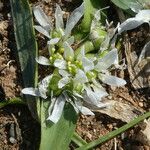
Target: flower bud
(78,88)
(61,50)
(78,63)
(91,75)
(51,59)
(98,36)
(102,54)
(70,58)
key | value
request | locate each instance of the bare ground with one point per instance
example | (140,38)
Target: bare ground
(18,130)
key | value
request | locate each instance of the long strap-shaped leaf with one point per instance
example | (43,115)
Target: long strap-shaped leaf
(57,136)
(26,45)
(53,136)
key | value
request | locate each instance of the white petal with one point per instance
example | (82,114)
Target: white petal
(59,18)
(42,60)
(103,105)
(70,40)
(143,15)
(31,91)
(42,19)
(96,20)
(92,97)
(68,51)
(53,41)
(43,85)
(83,110)
(105,43)
(58,109)
(97,84)
(100,91)
(112,80)
(60,63)
(77,95)
(42,30)
(97,15)
(53,100)
(109,59)
(129,24)
(64,73)
(80,77)
(87,64)
(75,107)
(73,19)
(63,82)
(81,54)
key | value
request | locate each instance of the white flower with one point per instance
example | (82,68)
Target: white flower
(41,91)
(111,58)
(94,96)
(76,77)
(46,27)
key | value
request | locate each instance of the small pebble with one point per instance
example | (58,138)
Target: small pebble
(110,126)
(12,140)
(109,97)
(141,104)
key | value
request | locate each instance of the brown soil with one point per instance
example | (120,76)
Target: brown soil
(18,130)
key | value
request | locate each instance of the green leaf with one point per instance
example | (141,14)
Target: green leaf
(12,101)
(53,85)
(57,136)
(114,133)
(26,46)
(78,140)
(123,4)
(90,7)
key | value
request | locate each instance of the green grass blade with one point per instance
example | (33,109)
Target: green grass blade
(114,133)
(78,140)
(12,101)
(26,45)
(58,136)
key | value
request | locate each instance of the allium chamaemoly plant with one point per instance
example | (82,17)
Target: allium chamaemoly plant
(75,78)
(61,130)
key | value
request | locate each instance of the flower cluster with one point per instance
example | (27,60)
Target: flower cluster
(76,77)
